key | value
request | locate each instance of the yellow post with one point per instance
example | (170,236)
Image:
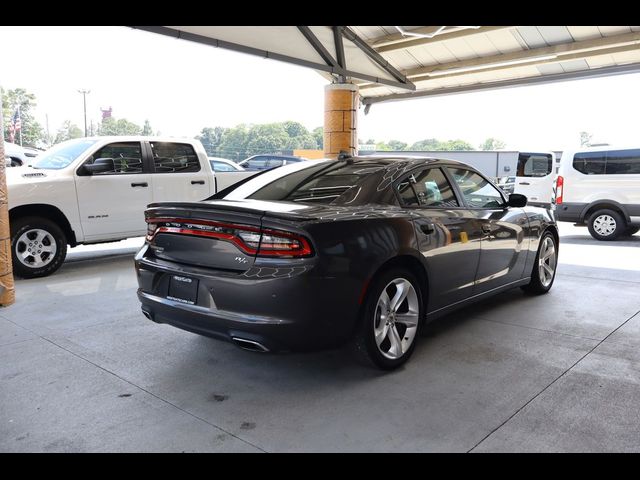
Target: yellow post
(340,119)
(7,290)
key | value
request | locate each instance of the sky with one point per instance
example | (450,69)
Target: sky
(181,87)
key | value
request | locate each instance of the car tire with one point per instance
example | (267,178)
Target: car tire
(606,225)
(387,332)
(544,267)
(38,247)
(631,231)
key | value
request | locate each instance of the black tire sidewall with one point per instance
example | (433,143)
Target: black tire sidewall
(22,225)
(621,225)
(366,338)
(536,286)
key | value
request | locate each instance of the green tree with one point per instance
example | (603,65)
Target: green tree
(396,145)
(111,126)
(456,145)
(32,132)
(492,144)
(68,131)
(234,143)
(211,138)
(381,146)
(146,130)
(267,138)
(318,134)
(585,139)
(426,144)
(432,144)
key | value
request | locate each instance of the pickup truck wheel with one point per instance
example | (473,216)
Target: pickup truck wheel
(38,247)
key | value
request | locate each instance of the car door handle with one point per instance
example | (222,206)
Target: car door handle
(524,183)
(197,182)
(427,228)
(486,228)
(141,184)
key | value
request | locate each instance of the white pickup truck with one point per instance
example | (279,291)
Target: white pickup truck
(93,190)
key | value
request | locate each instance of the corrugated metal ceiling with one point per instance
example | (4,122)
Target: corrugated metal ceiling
(390,62)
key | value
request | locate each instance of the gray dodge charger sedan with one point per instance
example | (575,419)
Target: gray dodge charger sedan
(363,249)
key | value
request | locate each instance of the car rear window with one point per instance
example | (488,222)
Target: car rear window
(323,183)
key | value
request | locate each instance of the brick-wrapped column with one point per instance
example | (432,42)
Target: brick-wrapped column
(340,119)
(7,289)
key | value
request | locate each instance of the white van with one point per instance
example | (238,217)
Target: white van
(600,187)
(535,173)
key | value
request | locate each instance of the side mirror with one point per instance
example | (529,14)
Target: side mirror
(100,165)
(517,200)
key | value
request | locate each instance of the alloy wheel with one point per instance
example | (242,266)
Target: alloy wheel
(547,261)
(36,248)
(396,318)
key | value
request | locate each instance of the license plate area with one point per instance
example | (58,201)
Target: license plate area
(183,289)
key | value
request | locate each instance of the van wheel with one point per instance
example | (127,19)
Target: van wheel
(38,247)
(390,319)
(632,231)
(606,225)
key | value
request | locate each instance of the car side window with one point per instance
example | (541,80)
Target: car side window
(257,163)
(169,157)
(122,157)
(275,162)
(221,167)
(477,191)
(427,188)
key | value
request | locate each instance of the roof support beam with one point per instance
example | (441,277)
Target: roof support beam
(318,47)
(337,38)
(398,42)
(214,42)
(373,55)
(543,79)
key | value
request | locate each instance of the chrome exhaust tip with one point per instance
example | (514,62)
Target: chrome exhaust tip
(147,314)
(249,345)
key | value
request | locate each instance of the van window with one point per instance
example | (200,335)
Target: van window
(620,162)
(590,163)
(612,162)
(534,165)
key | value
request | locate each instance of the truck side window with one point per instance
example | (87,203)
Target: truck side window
(124,157)
(174,158)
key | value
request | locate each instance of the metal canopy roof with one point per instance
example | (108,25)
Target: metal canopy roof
(400,62)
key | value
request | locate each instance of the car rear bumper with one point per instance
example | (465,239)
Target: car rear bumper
(292,312)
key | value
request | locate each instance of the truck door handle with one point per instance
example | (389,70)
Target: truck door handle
(197,182)
(427,228)
(141,184)
(524,183)
(486,228)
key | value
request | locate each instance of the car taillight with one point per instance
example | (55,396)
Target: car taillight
(279,243)
(249,239)
(559,189)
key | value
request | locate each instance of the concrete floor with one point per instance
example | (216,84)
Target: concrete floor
(82,370)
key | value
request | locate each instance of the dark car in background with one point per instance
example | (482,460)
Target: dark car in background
(312,255)
(267,162)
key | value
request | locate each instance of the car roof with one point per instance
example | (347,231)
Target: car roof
(392,162)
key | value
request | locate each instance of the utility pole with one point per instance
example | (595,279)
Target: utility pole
(46,116)
(84,98)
